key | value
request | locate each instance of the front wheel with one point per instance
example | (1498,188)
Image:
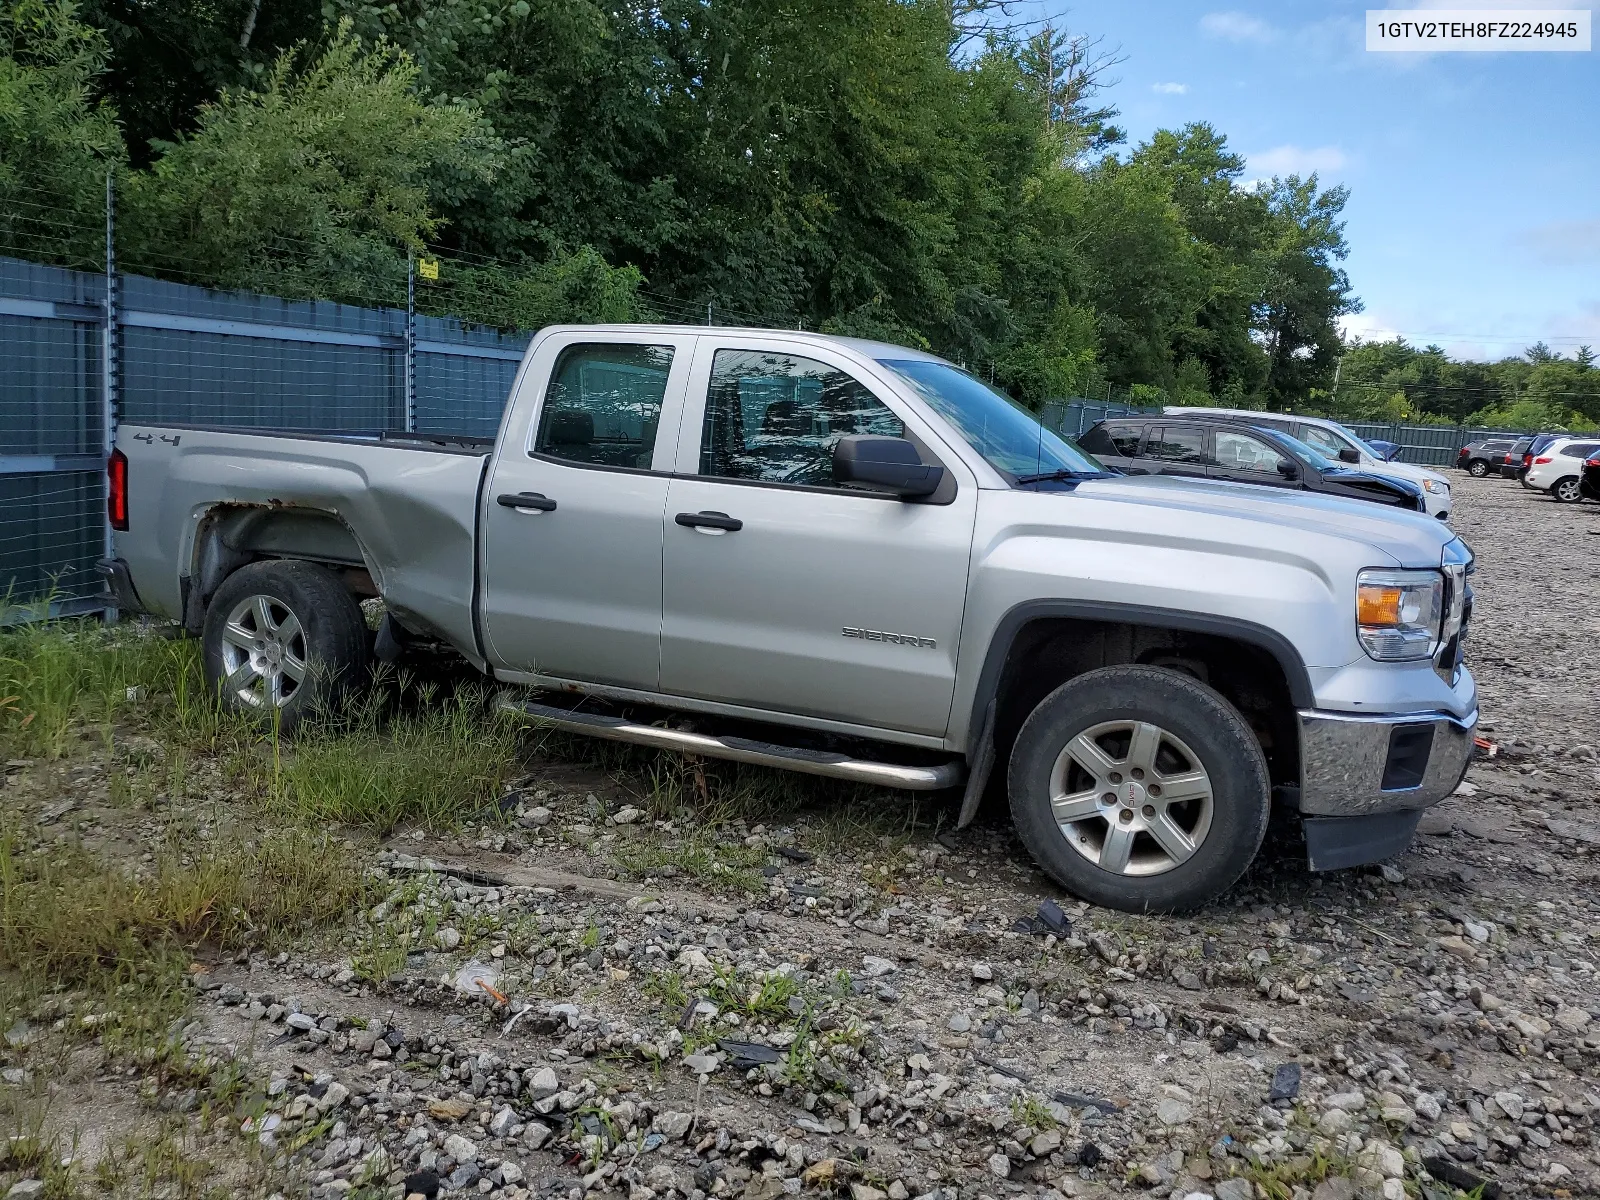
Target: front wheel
(1477,468)
(1566,491)
(282,639)
(1140,789)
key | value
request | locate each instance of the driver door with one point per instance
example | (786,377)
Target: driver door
(784,592)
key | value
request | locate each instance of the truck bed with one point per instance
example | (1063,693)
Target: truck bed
(402,506)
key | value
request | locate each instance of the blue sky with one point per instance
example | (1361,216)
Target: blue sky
(1474,212)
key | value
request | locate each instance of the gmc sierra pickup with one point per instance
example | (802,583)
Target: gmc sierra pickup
(851,559)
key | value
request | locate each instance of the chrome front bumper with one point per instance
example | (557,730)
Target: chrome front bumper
(1355,765)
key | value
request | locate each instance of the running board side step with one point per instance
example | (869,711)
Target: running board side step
(766,754)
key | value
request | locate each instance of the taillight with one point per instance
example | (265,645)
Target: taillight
(1527,460)
(1541,460)
(1592,462)
(117,489)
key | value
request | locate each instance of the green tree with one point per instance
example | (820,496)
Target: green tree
(57,141)
(315,184)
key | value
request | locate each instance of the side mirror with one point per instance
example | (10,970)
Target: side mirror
(885,464)
(1288,469)
(1350,455)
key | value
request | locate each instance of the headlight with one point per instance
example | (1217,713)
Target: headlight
(1436,486)
(1398,613)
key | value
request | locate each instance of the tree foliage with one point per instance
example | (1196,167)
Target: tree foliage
(905,169)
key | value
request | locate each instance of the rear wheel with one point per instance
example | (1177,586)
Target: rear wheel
(1477,468)
(283,638)
(1566,490)
(1139,788)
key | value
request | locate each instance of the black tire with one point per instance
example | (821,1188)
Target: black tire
(1477,468)
(1211,729)
(331,644)
(1566,491)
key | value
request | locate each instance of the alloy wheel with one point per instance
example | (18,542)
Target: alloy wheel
(263,652)
(1131,798)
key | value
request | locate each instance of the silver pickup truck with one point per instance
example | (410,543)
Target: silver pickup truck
(851,559)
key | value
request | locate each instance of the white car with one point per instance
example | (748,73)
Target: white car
(1336,442)
(1559,466)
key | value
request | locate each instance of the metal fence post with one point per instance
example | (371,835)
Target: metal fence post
(411,342)
(110,358)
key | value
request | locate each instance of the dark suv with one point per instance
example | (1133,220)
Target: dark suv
(1236,450)
(1480,458)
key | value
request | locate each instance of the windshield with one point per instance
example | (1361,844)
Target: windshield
(1006,434)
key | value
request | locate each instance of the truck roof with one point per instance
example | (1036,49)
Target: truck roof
(865,346)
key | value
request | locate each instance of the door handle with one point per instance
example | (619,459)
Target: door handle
(708,521)
(526,501)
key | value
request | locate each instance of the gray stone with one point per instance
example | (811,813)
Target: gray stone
(1233,1189)
(502,1120)
(1173,1112)
(26,1189)
(301,1021)
(458,1148)
(874,967)
(960,1022)
(544,1082)
(1510,1103)
(672,1125)
(999,1166)
(983,971)
(535,1134)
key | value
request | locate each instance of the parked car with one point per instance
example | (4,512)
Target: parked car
(1483,457)
(1511,466)
(1589,481)
(1334,441)
(1536,448)
(1557,468)
(1237,451)
(854,560)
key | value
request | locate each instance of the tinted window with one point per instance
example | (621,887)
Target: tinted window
(1126,439)
(604,404)
(1177,443)
(1580,449)
(1241,452)
(1097,440)
(776,417)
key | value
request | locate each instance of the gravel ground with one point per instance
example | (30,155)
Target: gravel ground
(917,1018)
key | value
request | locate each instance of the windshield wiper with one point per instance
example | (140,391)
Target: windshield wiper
(1064,473)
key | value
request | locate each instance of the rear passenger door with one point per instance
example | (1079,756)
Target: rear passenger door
(1176,450)
(571,558)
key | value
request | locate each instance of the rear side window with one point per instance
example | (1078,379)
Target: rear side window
(1177,443)
(1115,440)
(1580,449)
(604,405)
(1126,439)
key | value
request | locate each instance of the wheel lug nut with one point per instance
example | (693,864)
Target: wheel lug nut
(1149,810)
(1154,789)
(1125,815)
(1138,773)
(1116,777)
(1109,798)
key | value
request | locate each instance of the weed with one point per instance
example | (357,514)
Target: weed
(667,986)
(700,857)
(1032,1112)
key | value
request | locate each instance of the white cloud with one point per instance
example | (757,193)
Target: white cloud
(1298,160)
(1237,27)
(1562,243)
(1170,89)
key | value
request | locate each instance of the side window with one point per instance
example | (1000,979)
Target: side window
(604,404)
(1126,439)
(1177,443)
(1580,450)
(1321,440)
(775,418)
(1097,440)
(1241,452)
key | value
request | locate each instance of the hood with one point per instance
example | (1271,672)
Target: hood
(1360,475)
(1410,539)
(1402,471)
